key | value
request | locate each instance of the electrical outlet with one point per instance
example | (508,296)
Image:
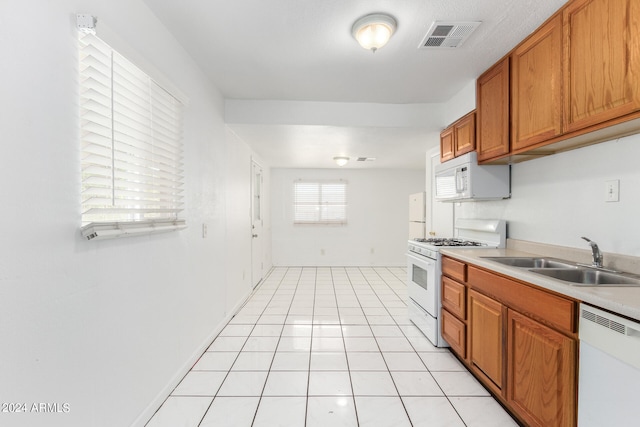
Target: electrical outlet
(612,191)
(321,251)
(204,231)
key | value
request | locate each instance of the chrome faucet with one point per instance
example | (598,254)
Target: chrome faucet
(597,255)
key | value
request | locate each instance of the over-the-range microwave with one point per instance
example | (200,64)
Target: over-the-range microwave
(462,179)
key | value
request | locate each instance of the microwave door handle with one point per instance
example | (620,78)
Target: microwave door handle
(459,182)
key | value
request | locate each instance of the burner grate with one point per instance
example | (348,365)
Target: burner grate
(443,241)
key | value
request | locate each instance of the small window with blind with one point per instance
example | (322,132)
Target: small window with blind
(131,147)
(320,202)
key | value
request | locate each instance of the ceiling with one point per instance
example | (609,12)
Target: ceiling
(301,52)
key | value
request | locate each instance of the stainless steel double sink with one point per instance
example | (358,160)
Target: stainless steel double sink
(570,272)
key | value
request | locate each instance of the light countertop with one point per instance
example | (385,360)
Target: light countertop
(622,300)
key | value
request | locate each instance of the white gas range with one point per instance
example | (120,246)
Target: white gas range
(424,270)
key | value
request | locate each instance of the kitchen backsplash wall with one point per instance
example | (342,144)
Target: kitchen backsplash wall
(559,198)
(377,216)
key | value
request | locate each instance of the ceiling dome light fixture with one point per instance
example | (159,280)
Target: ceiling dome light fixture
(341,160)
(374,30)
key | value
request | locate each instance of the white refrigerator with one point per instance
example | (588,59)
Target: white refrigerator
(417,215)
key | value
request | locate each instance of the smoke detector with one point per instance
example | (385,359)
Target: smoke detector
(443,34)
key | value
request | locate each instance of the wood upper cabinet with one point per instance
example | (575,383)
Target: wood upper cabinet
(601,61)
(492,99)
(446,144)
(541,372)
(486,349)
(572,83)
(465,134)
(459,138)
(536,87)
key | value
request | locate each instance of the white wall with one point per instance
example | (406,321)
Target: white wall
(559,198)
(377,211)
(239,157)
(461,103)
(105,326)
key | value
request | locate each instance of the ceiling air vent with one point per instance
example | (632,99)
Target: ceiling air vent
(365,159)
(447,34)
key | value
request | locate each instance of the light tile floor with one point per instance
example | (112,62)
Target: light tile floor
(328,347)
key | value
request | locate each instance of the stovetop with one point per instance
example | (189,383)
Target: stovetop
(484,233)
(449,241)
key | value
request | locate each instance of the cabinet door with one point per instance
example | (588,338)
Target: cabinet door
(536,87)
(486,325)
(493,112)
(464,140)
(454,333)
(541,371)
(446,144)
(602,61)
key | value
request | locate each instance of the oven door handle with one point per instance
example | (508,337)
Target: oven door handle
(422,261)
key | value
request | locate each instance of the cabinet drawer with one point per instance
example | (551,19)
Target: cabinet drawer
(455,333)
(454,297)
(547,307)
(454,269)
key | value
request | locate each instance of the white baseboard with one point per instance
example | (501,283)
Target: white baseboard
(155,404)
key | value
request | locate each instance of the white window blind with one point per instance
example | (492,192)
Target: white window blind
(131,145)
(320,202)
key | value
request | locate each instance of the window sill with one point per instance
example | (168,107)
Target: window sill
(111,230)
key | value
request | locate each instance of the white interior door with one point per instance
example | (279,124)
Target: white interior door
(257,241)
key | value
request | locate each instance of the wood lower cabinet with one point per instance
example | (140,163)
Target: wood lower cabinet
(454,305)
(455,269)
(601,61)
(454,297)
(492,100)
(542,373)
(454,331)
(521,341)
(486,337)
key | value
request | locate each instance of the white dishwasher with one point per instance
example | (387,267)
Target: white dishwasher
(609,378)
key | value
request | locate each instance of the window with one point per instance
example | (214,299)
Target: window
(320,202)
(131,147)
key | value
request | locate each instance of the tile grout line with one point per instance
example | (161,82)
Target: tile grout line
(313,309)
(240,351)
(385,361)
(284,322)
(255,414)
(344,344)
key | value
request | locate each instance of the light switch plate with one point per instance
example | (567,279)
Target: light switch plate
(612,191)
